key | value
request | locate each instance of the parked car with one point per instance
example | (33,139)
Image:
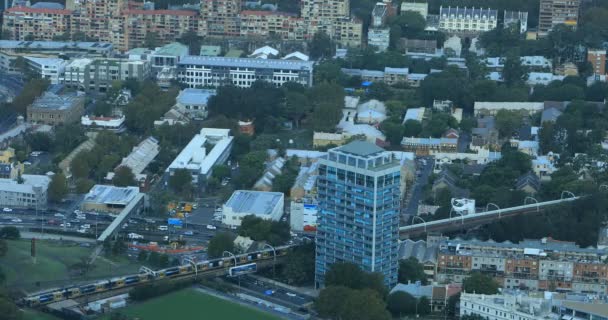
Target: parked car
(7,210)
(163,228)
(189,233)
(16,220)
(81,230)
(211,227)
(59,215)
(86,226)
(77,211)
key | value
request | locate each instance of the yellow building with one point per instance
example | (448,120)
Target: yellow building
(6,155)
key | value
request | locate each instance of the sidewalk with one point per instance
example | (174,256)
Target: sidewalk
(49,236)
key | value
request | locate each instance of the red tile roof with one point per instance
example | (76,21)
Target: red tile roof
(162,12)
(38,10)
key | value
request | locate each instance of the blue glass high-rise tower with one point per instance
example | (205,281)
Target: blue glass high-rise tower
(358,222)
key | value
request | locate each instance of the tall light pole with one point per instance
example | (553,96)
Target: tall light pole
(233,257)
(274,262)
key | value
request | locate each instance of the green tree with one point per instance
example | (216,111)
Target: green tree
(84,185)
(221,171)
(400,303)
(298,106)
(351,276)
(299,268)
(192,40)
(221,242)
(32,90)
(412,128)
(393,132)
(151,40)
(3,248)
(410,270)
(329,303)
(79,167)
(411,23)
(365,305)
(181,182)
(480,284)
(58,188)
(10,233)
(513,72)
(142,256)
(424,306)
(8,309)
(321,46)
(338,302)
(507,122)
(124,177)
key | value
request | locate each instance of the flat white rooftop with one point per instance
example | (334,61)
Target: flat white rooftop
(259,203)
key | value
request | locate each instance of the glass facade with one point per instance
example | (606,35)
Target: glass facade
(358,195)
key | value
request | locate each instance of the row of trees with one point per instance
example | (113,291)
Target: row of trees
(269,106)
(93,165)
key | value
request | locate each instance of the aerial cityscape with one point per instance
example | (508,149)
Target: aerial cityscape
(304,159)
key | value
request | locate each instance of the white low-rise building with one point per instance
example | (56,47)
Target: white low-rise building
(519,306)
(197,71)
(32,193)
(242,203)
(105,123)
(491,108)
(193,102)
(303,215)
(467,20)
(47,68)
(194,156)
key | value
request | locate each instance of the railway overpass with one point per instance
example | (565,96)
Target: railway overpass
(459,222)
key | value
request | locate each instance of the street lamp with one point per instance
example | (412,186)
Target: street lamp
(274,262)
(233,257)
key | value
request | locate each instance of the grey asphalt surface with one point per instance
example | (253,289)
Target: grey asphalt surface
(278,295)
(422,179)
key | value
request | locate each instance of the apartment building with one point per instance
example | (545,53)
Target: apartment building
(30,193)
(517,20)
(99,74)
(168,25)
(554,12)
(282,25)
(467,20)
(198,71)
(27,23)
(597,58)
(333,18)
(358,221)
(221,16)
(544,264)
(421,7)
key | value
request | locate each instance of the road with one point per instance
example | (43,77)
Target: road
(272,292)
(424,167)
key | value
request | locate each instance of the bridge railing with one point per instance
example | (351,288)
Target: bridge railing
(499,212)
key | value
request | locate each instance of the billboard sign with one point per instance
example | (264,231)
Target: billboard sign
(174,222)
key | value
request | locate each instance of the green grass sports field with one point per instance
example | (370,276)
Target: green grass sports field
(191,304)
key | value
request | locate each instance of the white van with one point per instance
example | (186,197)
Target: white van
(163,228)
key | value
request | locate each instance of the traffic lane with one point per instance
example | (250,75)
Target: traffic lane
(202,215)
(425,170)
(278,293)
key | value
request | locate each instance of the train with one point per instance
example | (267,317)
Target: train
(58,294)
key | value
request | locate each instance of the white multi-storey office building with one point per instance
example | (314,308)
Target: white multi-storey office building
(199,71)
